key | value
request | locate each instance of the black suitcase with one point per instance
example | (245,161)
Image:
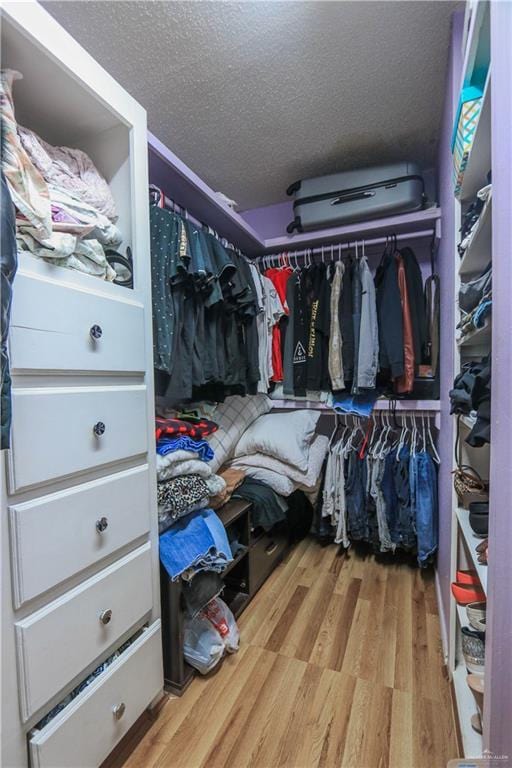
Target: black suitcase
(345,198)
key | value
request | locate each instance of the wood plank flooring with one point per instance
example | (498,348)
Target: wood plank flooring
(339,667)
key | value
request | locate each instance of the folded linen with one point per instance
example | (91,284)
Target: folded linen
(184,443)
(172,427)
(301,480)
(196,542)
(191,467)
(179,493)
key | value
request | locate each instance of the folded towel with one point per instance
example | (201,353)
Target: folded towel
(190,467)
(184,443)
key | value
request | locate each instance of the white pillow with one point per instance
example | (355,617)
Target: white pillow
(233,417)
(279,483)
(303,480)
(285,436)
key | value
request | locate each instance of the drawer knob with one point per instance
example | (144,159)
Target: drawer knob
(105,616)
(101,524)
(99,428)
(119,710)
(96,332)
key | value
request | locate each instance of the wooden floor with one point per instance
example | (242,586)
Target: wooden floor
(339,666)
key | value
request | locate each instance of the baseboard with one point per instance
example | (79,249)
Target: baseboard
(442,618)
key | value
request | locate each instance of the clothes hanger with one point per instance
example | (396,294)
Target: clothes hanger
(435,454)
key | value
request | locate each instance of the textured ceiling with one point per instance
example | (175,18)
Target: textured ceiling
(254,95)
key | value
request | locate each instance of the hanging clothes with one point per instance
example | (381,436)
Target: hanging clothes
(404,384)
(279,278)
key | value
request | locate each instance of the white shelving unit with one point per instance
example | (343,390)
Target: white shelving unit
(471,541)
(475,344)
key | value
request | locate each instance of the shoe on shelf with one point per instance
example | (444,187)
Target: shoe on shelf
(476,723)
(467,593)
(483,550)
(467,577)
(476,613)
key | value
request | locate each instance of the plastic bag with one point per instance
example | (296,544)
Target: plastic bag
(202,644)
(220,616)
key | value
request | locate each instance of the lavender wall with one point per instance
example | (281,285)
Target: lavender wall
(271,220)
(498,657)
(446,272)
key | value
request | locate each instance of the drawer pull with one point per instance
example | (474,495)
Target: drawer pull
(99,428)
(101,524)
(96,332)
(105,616)
(119,710)
(271,548)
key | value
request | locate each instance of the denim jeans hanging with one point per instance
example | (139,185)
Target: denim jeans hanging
(424,504)
(355,494)
(407,535)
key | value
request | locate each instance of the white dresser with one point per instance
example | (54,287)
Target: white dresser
(79,522)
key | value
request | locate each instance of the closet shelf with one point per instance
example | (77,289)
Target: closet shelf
(182,185)
(479,251)
(472,541)
(380,405)
(478,338)
(404,224)
(187,189)
(466,707)
(479,161)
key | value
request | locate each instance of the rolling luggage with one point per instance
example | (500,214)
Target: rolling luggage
(344,198)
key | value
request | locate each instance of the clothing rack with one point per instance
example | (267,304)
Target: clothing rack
(167,202)
(334,250)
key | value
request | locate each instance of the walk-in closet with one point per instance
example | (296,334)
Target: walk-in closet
(255,371)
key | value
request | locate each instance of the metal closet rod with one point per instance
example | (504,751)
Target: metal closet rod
(360,241)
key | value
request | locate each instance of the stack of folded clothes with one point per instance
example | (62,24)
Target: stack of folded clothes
(65,212)
(185,481)
(195,543)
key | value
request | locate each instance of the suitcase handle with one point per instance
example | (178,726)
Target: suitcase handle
(351,198)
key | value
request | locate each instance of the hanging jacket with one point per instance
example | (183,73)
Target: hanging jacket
(368,353)
(405,383)
(335,337)
(414,282)
(346,323)
(389,311)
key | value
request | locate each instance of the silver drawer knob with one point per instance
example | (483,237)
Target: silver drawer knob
(99,428)
(119,710)
(105,616)
(101,524)
(96,332)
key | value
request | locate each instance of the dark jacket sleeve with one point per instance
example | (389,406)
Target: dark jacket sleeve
(414,282)
(391,334)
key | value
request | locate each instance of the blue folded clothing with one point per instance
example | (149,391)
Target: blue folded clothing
(358,405)
(197,542)
(184,443)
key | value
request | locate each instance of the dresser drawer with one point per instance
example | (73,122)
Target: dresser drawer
(58,642)
(53,430)
(56,327)
(264,556)
(56,536)
(86,731)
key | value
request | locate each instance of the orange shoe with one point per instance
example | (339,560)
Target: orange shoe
(467,593)
(467,577)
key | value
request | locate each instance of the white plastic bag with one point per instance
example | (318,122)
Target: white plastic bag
(220,616)
(202,644)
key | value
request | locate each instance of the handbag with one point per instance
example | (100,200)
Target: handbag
(467,482)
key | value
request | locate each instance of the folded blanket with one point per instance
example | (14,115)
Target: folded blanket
(301,480)
(174,427)
(184,443)
(190,467)
(179,493)
(171,459)
(197,542)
